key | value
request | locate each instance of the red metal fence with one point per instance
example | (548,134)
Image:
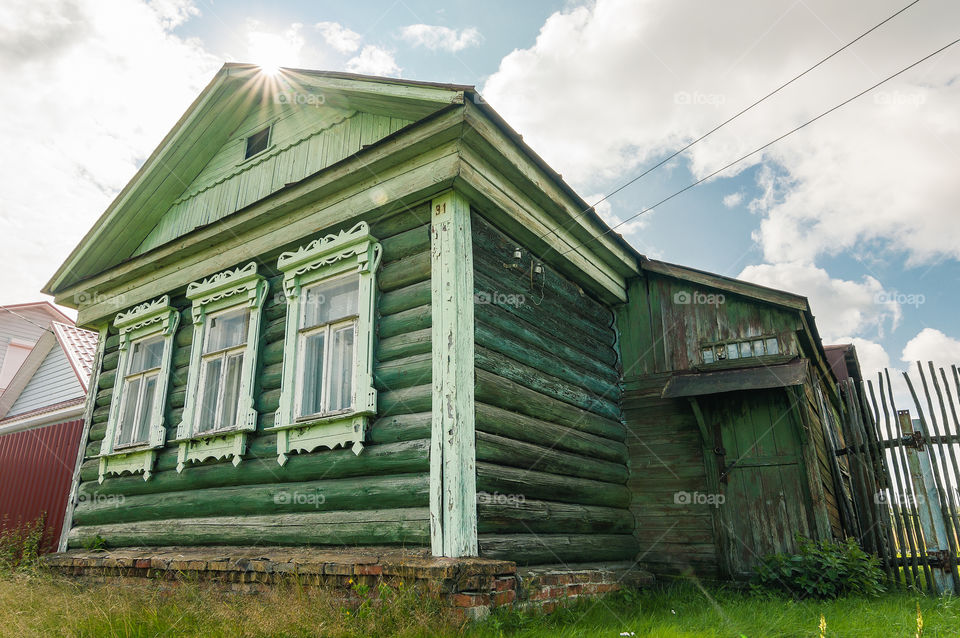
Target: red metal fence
(36,467)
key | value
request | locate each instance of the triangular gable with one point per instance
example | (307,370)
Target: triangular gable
(302,141)
(214,121)
(52,383)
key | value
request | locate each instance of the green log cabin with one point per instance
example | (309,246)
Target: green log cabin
(339,310)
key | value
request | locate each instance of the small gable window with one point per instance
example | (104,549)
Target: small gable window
(257,143)
(135,428)
(757,347)
(327,396)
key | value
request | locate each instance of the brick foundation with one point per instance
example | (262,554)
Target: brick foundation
(471,585)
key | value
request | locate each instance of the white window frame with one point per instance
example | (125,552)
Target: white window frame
(326,259)
(224,354)
(142,322)
(328,328)
(224,292)
(142,376)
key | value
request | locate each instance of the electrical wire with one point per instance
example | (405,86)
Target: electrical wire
(767,145)
(728,120)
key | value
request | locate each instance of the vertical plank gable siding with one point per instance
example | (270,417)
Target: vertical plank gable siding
(551,462)
(305,140)
(53,382)
(327,497)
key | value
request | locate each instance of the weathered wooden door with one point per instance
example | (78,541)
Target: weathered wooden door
(762,476)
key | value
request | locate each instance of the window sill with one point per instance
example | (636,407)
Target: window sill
(330,431)
(223,444)
(128,461)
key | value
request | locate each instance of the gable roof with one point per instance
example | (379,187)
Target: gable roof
(43,306)
(79,347)
(207,124)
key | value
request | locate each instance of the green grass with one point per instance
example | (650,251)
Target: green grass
(34,603)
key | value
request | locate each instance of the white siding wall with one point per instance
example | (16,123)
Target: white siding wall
(54,382)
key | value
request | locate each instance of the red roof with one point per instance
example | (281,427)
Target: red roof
(80,347)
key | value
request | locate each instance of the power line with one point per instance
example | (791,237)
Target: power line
(730,119)
(768,144)
(17,314)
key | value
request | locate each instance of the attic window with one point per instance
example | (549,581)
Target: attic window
(756,347)
(257,143)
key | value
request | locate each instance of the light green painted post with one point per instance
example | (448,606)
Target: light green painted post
(453,488)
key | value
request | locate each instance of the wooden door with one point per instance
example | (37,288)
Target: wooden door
(762,477)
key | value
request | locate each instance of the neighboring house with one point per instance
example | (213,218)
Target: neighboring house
(41,421)
(343,310)
(21,325)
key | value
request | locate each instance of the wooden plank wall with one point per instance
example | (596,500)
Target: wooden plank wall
(666,461)
(324,497)
(305,140)
(551,461)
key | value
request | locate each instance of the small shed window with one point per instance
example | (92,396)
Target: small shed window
(219,411)
(257,143)
(729,351)
(327,396)
(135,428)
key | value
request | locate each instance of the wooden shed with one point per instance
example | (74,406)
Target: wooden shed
(732,413)
(343,310)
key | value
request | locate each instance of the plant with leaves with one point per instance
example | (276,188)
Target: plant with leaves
(821,569)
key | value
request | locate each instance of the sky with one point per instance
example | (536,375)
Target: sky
(858,211)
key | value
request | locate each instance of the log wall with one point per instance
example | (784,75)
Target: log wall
(324,497)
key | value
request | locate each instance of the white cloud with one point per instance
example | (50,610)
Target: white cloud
(609,87)
(840,306)
(373,60)
(90,88)
(339,37)
(732,200)
(440,38)
(931,345)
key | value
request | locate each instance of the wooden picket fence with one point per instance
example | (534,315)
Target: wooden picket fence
(899,470)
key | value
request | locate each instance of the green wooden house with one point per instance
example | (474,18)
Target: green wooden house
(344,310)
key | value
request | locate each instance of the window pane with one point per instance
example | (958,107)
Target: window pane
(745,349)
(146,408)
(145,355)
(708,355)
(129,415)
(732,352)
(312,374)
(329,301)
(210,382)
(231,391)
(341,369)
(758,347)
(226,330)
(772,346)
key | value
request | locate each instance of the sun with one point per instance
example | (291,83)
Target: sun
(270,51)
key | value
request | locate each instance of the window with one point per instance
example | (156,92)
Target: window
(257,143)
(135,427)
(219,411)
(140,392)
(328,325)
(221,364)
(327,395)
(756,347)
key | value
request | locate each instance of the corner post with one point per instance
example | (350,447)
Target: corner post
(453,473)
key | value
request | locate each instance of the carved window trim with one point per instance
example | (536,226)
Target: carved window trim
(227,290)
(142,322)
(325,258)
